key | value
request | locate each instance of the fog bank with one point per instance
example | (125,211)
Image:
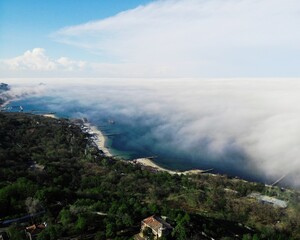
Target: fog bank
(243,124)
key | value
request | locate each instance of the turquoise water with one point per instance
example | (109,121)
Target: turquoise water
(132,137)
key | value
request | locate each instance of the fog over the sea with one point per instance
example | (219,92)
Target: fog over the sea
(241,124)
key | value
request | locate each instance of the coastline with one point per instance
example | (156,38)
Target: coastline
(150,164)
(98,138)
(3,105)
(6,102)
(50,116)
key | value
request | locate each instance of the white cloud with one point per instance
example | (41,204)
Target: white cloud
(198,37)
(37,60)
(69,64)
(33,60)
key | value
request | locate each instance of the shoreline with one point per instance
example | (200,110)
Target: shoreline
(50,115)
(150,164)
(6,102)
(98,138)
(3,105)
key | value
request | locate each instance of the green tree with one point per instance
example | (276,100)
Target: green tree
(110,230)
(52,232)
(15,233)
(65,217)
(100,235)
(179,232)
(81,224)
(255,237)
(247,237)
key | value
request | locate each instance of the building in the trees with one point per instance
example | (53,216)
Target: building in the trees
(33,230)
(157,225)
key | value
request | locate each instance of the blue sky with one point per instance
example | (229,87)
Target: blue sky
(27,24)
(163,38)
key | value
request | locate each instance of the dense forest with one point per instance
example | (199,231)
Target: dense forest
(51,172)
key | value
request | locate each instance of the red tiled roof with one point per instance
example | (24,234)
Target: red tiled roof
(35,229)
(155,223)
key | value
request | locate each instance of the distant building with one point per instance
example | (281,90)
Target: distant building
(269,200)
(158,226)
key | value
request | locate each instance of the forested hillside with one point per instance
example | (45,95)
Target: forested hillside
(50,172)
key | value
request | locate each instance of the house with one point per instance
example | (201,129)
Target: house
(33,230)
(158,226)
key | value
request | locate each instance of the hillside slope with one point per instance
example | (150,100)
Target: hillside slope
(50,170)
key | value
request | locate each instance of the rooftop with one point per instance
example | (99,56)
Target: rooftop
(155,223)
(36,228)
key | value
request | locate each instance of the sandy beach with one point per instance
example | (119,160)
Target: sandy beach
(98,139)
(149,163)
(49,116)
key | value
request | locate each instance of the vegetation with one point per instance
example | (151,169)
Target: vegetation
(50,171)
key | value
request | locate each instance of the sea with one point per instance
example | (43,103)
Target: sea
(127,139)
(240,128)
